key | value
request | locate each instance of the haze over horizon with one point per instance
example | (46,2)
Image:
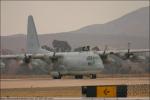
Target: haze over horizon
(62,16)
(133,28)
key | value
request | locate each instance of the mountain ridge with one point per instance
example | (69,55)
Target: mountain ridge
(132,27)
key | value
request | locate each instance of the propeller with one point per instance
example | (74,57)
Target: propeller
(54,58)
(104,56)
(128,54)
(27,59)
(55,62)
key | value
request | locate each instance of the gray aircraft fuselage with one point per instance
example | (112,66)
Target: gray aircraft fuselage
(79,63)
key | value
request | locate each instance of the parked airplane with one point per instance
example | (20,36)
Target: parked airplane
(68,63)
(77,64)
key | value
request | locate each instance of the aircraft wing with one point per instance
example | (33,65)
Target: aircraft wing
(125,51)
(33,56)
(12,56)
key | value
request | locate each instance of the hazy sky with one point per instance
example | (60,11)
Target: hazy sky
(61,16)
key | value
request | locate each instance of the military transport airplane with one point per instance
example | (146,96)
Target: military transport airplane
(68,63)
(77,64)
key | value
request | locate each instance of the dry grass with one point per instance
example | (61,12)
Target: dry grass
(139,90)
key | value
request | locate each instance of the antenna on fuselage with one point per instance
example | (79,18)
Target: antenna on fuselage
(128,54)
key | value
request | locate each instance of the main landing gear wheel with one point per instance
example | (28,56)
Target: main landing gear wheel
(93,76)
(57,76)
(78,76)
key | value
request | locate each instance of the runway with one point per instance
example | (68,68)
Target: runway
(41,83)
(79,98)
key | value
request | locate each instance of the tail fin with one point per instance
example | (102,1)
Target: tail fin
(32,38)
(33,45)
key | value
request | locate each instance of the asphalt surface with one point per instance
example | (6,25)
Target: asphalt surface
(39,83)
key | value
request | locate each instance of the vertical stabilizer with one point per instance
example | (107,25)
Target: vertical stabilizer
(32,38)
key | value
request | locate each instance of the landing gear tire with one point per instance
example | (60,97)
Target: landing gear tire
(93,76)
(57,77)
(78,76)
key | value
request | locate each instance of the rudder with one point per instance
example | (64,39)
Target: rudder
(32,38)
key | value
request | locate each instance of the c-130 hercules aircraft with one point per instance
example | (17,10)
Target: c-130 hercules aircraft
(62,63)
(78,64)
